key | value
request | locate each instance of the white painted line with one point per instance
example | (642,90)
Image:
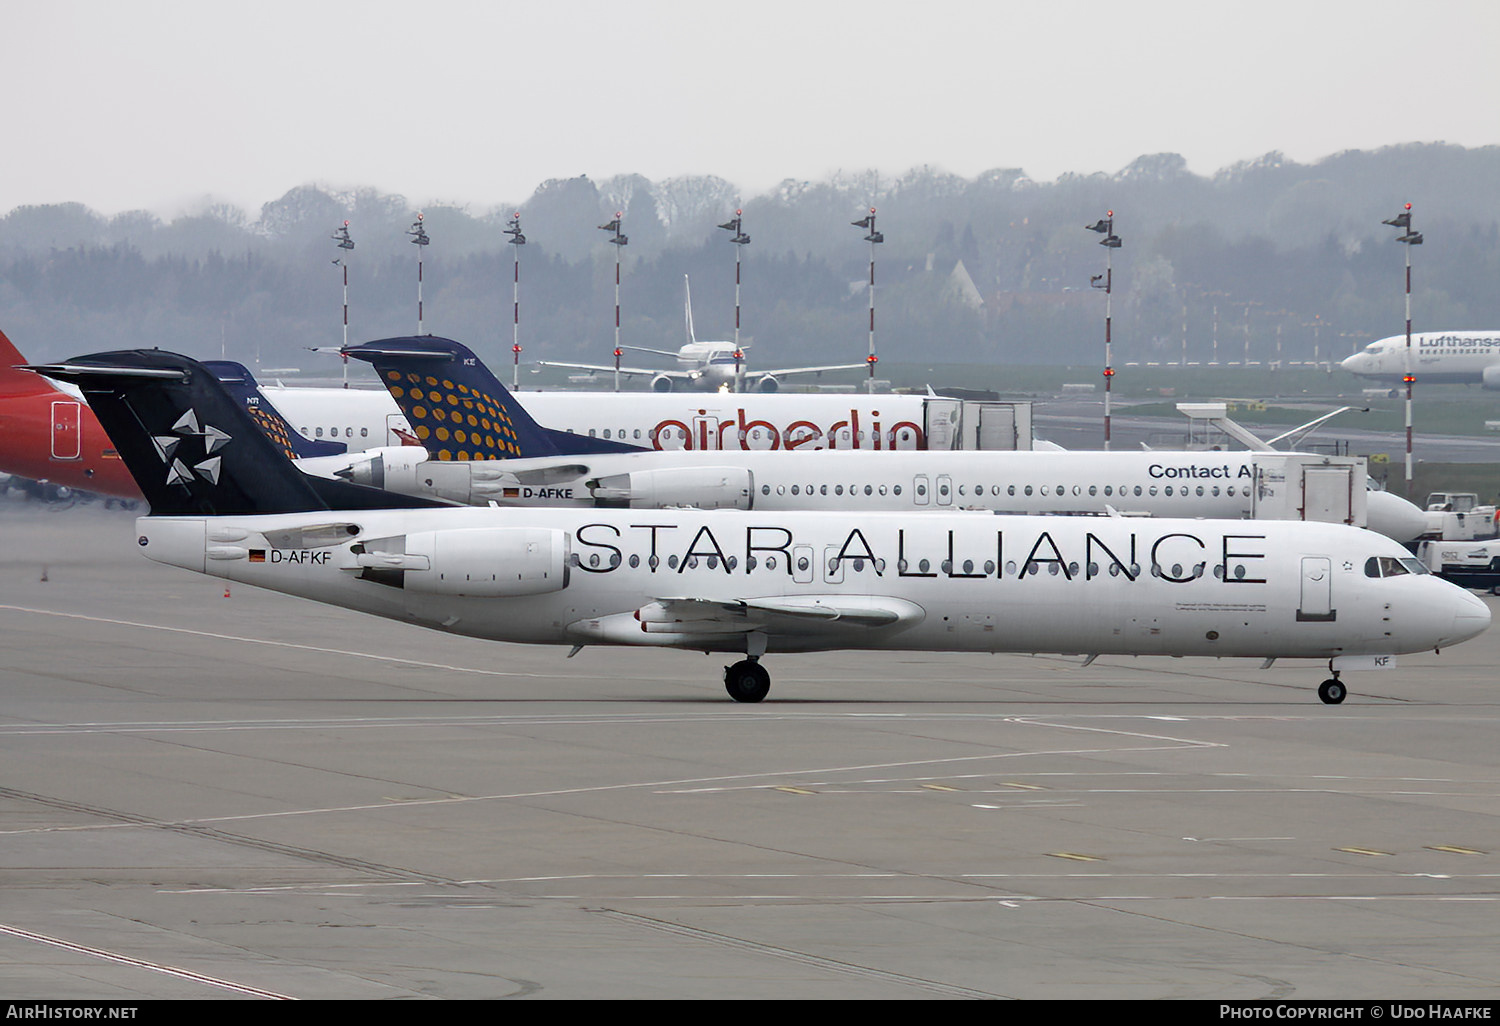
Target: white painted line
(155,967)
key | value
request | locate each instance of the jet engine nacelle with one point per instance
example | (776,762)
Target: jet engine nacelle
(1491,377)
(661,383)
(703,487)
(392,467)
(489,562)
(767,384)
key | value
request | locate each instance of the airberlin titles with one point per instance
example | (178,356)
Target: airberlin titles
(708,431)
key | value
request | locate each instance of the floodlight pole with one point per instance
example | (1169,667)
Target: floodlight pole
(420,239)
(517,240)
(740,239)
(1110,242)
(619,241)
(1410,238)
(874,238)
(341,236)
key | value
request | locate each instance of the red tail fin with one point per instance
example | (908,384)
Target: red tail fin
(18,382)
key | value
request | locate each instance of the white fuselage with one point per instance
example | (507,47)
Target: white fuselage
(1229,485)
(365,418)
(728,580)
(1435,357)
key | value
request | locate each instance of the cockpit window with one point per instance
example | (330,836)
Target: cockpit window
(1392,566)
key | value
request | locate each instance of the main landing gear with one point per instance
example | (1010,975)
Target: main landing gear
(747,680)
(1332,690)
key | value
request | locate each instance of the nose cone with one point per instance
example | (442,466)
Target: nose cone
(1393,517)
(1471,616)
(1359,363)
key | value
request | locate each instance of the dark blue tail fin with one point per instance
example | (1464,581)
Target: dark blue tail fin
(242,386)
(192,449)
(459,410)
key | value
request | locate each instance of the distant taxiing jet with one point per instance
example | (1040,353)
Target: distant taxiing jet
(1436,357)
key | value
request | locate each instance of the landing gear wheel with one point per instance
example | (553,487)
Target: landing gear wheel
(1332,691)
(747,681)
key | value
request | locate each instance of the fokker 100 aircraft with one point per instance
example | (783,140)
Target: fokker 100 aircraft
(225,501)
(474,437)
(1436,357)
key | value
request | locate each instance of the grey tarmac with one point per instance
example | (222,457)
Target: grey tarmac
(254,796)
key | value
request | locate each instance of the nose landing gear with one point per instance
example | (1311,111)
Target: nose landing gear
(1332,690)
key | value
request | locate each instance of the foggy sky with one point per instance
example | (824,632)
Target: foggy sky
(159,105)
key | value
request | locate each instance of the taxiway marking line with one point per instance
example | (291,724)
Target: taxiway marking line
(155,967)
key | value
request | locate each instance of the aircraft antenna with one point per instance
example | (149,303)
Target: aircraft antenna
(420,240)
(341,237)
(1111,242)
(619,241)
(740,239)
(1410,238)
(517,240)
(874,238)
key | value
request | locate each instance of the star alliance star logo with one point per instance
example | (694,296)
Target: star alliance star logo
(185,428)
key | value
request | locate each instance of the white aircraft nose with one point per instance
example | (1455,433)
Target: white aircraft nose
(1355,364)
(1471,616)
(1394,517)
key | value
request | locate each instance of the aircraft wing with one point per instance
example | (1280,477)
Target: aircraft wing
(629,371)
(786,371)
(798,620)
